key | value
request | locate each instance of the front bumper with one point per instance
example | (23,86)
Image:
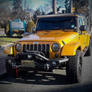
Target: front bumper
(41,61)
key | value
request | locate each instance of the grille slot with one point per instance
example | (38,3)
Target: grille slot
(45,48)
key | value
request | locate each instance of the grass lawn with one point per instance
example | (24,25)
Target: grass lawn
(5,41)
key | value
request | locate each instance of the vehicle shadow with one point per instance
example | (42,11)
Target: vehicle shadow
(38,79)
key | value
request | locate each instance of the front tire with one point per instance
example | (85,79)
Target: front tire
(74,68)
(11,72)
(88,53)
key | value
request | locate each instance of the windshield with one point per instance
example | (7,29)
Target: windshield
(54,23)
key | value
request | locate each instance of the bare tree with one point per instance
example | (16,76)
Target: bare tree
(17,8)
(5,13)
(81,6)
(37,12)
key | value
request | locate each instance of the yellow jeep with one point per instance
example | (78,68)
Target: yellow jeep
(57,41)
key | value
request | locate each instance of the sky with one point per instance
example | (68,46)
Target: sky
(37,3)
(46,5)
(34,4)
(43,5)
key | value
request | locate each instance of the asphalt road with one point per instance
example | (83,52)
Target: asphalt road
(48,82)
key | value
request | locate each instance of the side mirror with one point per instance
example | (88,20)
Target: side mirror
(82,28)
(33,30)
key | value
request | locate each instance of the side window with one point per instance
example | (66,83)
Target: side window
(80,21)
(85,23)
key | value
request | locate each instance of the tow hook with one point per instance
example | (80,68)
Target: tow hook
(54,63)
(50,66)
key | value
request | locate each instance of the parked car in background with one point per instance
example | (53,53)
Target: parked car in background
(16,26)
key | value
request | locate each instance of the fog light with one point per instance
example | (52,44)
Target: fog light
(29,56)
(54,63)
(55,47)
(18,47)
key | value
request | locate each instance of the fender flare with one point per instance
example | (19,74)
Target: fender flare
(70,49)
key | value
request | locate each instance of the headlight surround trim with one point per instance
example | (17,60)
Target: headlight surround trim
(18,47)
(55,47)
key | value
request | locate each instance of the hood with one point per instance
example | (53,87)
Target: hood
(56,35)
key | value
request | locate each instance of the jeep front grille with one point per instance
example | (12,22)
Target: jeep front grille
(45,48)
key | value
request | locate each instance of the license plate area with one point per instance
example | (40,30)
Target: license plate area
(28,63)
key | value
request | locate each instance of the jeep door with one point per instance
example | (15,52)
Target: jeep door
(87,35)
(83,36)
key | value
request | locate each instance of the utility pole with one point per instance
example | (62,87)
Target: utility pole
(54,6)
(17,8)
(72,8)
(90,15)
(90,3)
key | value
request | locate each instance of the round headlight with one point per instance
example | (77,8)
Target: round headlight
(55,47)
(18,47)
